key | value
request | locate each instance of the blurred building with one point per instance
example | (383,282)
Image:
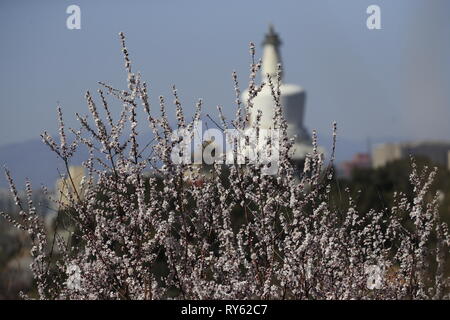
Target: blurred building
(359,161)
(438,152)
(67,188)
(448,160)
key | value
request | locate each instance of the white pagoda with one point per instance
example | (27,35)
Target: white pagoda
(292,99)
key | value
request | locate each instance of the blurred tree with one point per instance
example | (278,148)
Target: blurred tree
(374,188)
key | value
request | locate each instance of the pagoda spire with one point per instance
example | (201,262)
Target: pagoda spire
(271,54)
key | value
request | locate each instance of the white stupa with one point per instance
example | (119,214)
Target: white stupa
(292,99)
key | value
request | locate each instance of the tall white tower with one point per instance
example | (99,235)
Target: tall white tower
(292,99)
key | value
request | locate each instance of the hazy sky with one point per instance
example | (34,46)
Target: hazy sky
(385,84)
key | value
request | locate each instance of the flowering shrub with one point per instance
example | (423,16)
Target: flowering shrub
(145,227)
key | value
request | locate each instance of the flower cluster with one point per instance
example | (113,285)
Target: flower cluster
(141,228)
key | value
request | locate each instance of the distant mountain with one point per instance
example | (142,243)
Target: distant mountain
(34,160)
